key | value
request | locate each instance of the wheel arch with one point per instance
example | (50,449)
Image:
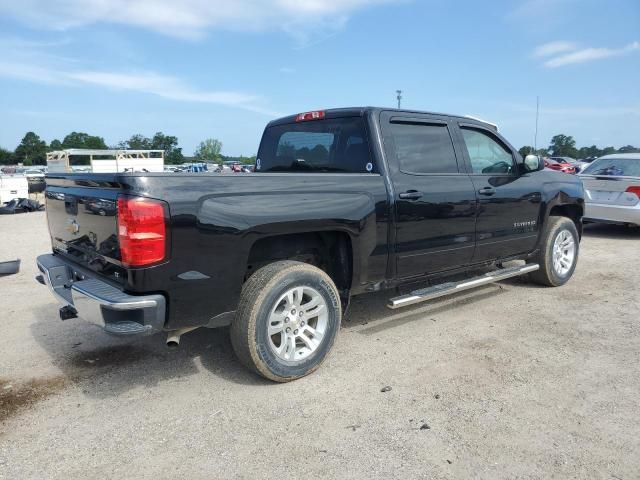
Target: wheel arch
(572,211)
(330,250)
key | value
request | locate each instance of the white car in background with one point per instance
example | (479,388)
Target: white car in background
(583,163)
(612,189)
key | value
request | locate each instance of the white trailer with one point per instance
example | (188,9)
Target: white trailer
(108,161)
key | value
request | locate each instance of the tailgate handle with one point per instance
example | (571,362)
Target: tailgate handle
(410,195)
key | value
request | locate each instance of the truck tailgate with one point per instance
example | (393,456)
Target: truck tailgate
(83,224)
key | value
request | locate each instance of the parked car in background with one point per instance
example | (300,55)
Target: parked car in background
(559,164)
(612,189)
(101,206)
(583,163)
(35,179)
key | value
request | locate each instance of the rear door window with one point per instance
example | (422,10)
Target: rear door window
(423,148)
(328,145)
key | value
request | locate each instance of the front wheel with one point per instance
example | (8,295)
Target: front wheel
(287,320)
(558,254)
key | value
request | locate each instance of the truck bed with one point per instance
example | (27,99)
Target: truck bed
(213,222)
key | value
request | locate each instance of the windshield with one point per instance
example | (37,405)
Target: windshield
(623,167)
(331,145)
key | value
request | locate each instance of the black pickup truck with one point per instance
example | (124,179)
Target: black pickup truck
(342,202)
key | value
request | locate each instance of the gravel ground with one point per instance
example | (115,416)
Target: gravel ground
(508,381)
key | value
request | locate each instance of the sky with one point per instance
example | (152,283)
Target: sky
(198,69)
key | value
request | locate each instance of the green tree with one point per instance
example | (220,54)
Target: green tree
(608,150)
(586,152)
(160,141)
(136,142)
(168,143)
(209,150)
(526,150)
(55,145)
(31,150)
(6,156)
(542,152)
(563,146)
(83,140)
(628,149)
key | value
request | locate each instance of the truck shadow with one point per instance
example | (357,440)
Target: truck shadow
(104,366)
(369,315)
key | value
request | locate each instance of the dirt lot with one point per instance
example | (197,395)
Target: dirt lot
(510,381)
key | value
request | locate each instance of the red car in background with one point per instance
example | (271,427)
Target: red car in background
(560,165)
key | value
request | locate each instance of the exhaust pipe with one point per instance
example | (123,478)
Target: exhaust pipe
(173,337)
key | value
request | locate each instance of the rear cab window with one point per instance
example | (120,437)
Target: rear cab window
(317,146)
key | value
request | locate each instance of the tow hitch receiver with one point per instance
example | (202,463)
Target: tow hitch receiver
(67,312)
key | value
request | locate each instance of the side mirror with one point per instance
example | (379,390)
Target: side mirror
(533,163)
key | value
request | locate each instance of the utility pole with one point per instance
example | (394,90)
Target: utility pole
(535,137)
(399,97)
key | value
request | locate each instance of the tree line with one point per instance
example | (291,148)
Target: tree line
(32,150)
(565,146)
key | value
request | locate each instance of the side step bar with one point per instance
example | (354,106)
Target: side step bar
(448,288)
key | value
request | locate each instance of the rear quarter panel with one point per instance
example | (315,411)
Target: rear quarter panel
(215,220)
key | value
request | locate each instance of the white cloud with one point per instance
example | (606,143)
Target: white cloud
(590,54)
(187,18)
(561,53)
(149,83)
(553,48)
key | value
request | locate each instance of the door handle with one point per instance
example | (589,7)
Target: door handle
(410,195)
(487,191)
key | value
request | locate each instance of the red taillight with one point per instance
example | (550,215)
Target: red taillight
(634,189)
(141,231)
(306,116)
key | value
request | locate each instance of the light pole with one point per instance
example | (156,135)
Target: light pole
(535,137)
(399,97)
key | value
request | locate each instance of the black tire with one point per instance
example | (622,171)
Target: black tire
(260,293)
(547,274)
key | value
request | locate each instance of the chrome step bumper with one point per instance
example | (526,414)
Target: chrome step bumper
(98,302)
(449,288)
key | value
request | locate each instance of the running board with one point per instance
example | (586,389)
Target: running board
(448,288)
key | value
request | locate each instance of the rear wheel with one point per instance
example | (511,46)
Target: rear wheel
(558,254)
(287,320)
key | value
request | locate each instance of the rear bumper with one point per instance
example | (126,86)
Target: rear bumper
(595,212)
(98,302)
